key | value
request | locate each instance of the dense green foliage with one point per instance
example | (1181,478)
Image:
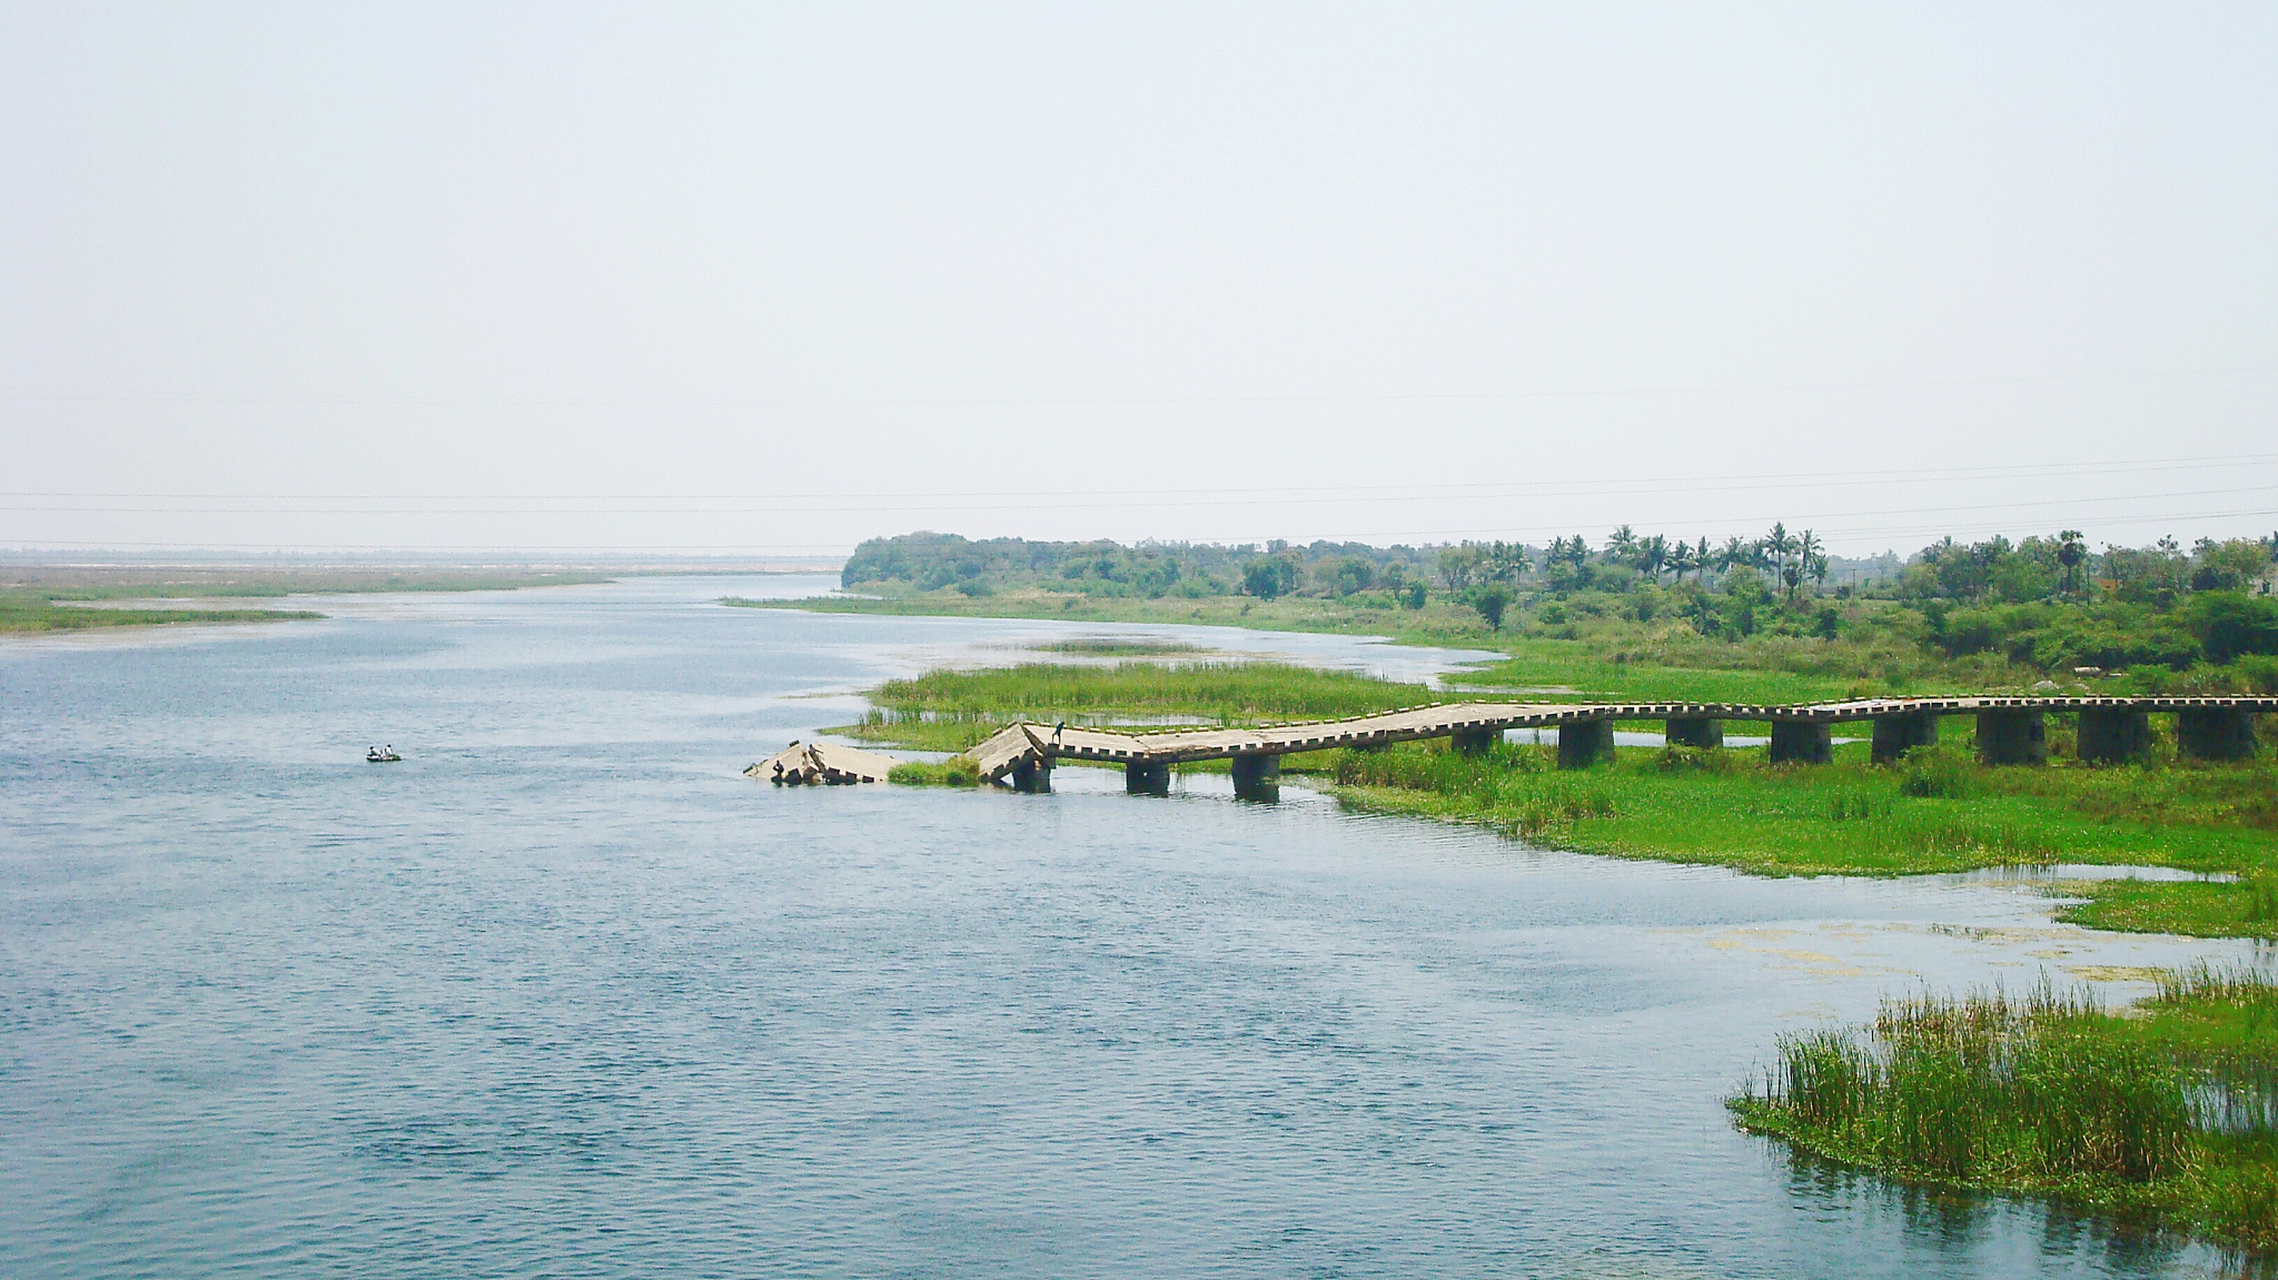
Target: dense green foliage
(1979,616)
(938,561)
(2170,1113)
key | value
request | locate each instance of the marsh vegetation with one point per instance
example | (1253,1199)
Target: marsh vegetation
(2169,1113)
(55,597)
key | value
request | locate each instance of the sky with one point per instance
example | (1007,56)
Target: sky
(769,280)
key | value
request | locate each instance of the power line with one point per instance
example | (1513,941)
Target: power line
(67,395)
(841,548)
(933,508)
(1596,487)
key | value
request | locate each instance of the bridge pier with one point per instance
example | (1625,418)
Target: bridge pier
(1033,777)
(1582,743)
(1693,731)
(2012,737)
(1897,735)
(1802,742)
(1147,778)
(1257,777)
(2214,733)
(2109,735)
(1474,742)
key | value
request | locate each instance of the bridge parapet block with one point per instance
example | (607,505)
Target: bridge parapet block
(2012,737)
(2214,733)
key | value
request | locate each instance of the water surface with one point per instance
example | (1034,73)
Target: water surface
(563,994)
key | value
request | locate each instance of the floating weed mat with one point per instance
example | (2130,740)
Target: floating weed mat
(2046,1093)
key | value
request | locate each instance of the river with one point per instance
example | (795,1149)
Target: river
(563,994)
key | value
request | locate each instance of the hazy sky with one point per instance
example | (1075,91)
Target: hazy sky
(774,279)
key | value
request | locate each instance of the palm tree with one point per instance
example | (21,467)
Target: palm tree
(1686,560)
(1807,549)
(1736,552)
(1621,548)
(1653,556)
(1777,544)
(2071,550)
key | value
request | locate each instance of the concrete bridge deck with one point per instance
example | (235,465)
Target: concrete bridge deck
(2010,731)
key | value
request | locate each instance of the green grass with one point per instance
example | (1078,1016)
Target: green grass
(1226,692)
(952,710)
(948,773)
(1939,813)
(26,611)
(2166,1115)
(57,598)
(1608,657)
(1442,623)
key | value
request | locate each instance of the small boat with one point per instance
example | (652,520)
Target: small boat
(377,756)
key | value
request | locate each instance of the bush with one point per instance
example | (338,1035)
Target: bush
(957,771)
(1490,601)
(2229,623)
(1940,772)
(1676,759)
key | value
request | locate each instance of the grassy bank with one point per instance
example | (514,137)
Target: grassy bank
(1613,658)
(2168,1115)
(952,710)
(36,598)
(1940,812)
(28,612)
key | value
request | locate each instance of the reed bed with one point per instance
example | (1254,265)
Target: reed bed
(2047,1093)
(1221,692)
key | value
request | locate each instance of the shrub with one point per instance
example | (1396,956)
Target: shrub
(2230,623)
(1940,772)
(957,771)
(1678,759)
